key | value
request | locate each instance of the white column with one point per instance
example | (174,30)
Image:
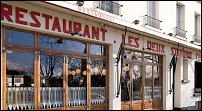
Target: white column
(178,82)
(114,103)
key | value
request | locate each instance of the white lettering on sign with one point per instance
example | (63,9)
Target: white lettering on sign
(96,14)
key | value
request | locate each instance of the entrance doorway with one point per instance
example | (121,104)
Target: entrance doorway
(141,81)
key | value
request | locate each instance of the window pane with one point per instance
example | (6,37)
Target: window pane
(107,6)
(148,58)
(137,82)
(97,49)
(156,58)
(19,38)
(62,44)
(148,82)
(77,81)
(98,82)
(20,80)
(125,83)
(132,55)
(157,85)
(51,78)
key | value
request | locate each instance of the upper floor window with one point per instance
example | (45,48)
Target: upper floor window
(152,15)
(197,23)
(180,21)
(110,6)
(151,9)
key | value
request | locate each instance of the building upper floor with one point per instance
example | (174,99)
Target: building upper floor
(179,19)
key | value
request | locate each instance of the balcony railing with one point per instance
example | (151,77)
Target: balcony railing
(153,22)
(110,6)
(180,32)
(197,39)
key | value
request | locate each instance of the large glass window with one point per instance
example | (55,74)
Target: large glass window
(84,82)
(19,80)
(19,38)
(62,44)
(51,78)
(77,81)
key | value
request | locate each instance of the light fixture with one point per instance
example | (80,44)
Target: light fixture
(78,71)
(80,3)
(74,33)
(96,70)
(84,73)
(104,71)
(77,33)
(73,73)
(136,22)
(170,34)
(125,68)
(149,48)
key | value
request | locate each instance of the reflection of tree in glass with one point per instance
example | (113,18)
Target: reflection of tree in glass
(50,65)
(62,44)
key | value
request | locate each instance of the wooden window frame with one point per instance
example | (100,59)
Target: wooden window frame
(36,51)
(143,63)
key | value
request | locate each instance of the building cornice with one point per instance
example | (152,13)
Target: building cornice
(117,23)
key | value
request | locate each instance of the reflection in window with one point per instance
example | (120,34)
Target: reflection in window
(156,58)
(19,38)
(148,82)
(107,6)
(132,55)
(98,82)
(157,85)
(20,80)
(125,83)
(97,49)
(77,81)
(137,82)
(51,78)
(148,58)
(62,44)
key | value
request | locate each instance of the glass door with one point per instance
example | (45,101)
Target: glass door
(141,81)
(137,86)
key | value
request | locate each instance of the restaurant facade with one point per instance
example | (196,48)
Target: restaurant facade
(58,58)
